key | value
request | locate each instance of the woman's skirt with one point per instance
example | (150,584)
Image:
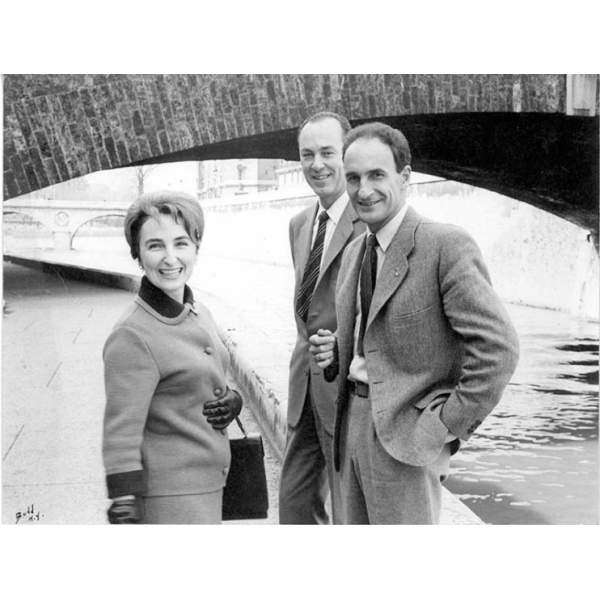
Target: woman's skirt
(190,509)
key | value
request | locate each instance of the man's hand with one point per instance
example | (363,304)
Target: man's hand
(125,510)
(322,346)
(219,413)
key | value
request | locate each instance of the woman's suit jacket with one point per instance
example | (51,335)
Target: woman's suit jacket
(162,362)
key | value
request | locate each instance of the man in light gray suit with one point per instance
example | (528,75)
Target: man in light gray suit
(424,347)
(318,236)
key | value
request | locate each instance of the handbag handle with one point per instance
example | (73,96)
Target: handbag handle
(237,420)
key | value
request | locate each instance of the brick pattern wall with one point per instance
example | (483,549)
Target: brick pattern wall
(58,127)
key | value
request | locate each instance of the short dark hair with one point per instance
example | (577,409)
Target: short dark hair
(393,138)
(183,208)
(325,114)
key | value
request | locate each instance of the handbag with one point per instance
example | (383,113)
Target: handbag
(245,494)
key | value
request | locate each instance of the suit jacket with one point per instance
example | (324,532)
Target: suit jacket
(321,314)
(439,345)
(162,361)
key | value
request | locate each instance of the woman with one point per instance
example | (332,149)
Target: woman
(165,449)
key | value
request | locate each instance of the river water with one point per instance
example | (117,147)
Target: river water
(534,459)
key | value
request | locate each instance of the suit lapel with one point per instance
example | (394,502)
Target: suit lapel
(341,234)
(346,298)
(395,265)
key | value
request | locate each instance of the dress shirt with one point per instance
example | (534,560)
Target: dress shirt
(358,366)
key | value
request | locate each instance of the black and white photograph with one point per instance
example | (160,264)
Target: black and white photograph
(243,290)
(185,251)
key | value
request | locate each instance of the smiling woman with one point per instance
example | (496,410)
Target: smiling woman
(167,255)
(168,402)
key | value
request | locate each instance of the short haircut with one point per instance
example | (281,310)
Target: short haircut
(181,207)
(325,114)
(393,138)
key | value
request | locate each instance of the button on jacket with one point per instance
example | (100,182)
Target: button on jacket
(162,361)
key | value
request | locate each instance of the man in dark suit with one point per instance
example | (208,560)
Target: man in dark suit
(424,347)
(318,236)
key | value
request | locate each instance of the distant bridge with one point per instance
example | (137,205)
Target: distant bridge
(63,217)
(531,137)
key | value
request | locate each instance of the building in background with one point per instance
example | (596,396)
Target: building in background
(236,177)
(289,176)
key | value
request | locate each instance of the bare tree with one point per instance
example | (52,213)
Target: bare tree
(141,173)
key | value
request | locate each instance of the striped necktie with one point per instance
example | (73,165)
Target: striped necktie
(368,277)
(311,272)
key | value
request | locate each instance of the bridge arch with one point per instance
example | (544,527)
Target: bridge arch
(533,137)
(30,215)
(63,218)
(120,215)
(82,225)
(13,211)
(35,228)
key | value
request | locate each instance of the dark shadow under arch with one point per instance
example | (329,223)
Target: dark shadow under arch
(547,160)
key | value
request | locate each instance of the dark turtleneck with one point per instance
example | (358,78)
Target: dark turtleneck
(161,302)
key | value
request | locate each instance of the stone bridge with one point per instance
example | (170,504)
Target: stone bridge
(531,137)
(63,218)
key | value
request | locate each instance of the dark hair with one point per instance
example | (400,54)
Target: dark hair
(393,138)
(183,208)
(320,116)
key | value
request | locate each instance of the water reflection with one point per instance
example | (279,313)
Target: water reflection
(579,348)
(535,458)
(590,378)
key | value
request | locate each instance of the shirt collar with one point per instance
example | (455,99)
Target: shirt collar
(334,212)
(161,302)
(386,234)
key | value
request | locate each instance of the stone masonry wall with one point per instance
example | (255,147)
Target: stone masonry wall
(59,127)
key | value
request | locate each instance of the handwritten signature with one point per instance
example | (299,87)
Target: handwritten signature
(29,515)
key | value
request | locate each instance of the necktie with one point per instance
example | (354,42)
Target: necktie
(368,275)
(311,272)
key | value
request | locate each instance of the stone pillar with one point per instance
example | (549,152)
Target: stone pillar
(582,91)
(62,239)
(586,302)
(61,232)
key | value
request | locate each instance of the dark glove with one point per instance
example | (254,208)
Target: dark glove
(124,511)
(220,412)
